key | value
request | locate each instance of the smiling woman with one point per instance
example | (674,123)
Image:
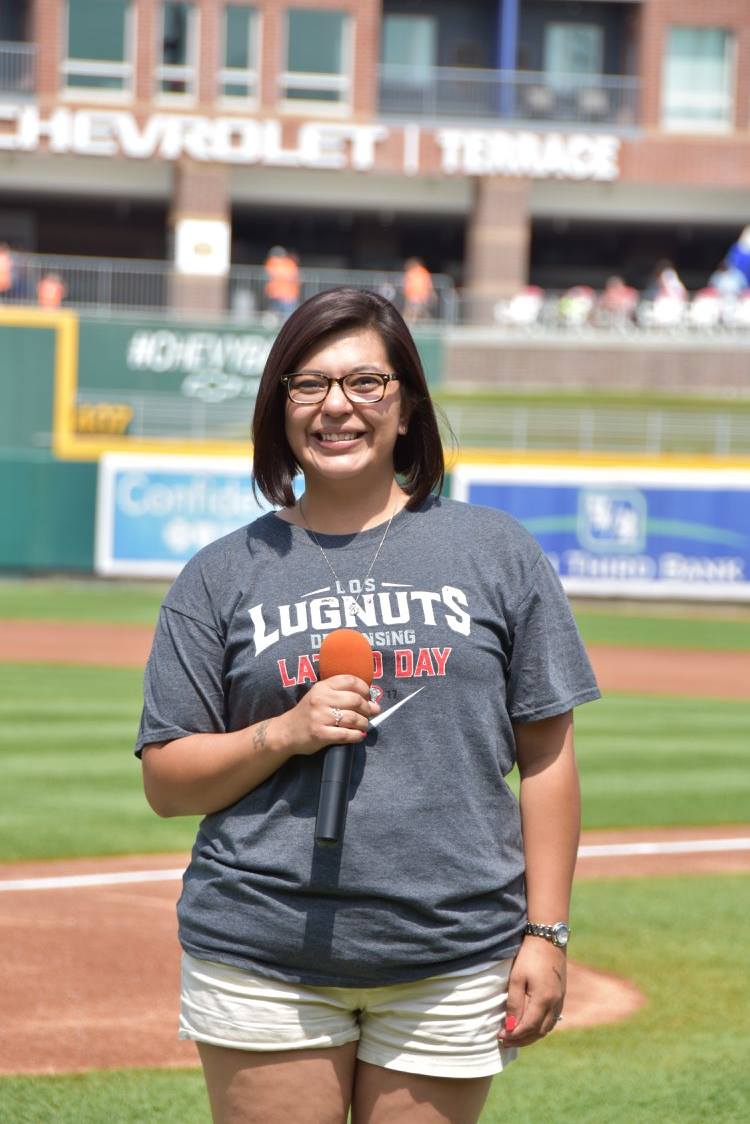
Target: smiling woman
(393,974)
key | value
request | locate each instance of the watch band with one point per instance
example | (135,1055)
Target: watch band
(557,934)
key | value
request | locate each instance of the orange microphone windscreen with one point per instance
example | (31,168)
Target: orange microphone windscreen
(346,652)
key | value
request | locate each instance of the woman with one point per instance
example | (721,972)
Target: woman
(391,974)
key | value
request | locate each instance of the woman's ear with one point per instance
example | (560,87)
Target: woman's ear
(405,416)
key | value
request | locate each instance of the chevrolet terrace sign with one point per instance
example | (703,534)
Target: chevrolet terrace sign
(328,144)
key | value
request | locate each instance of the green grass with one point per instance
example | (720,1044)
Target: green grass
(72,786)
(680,1060)
(81,600)
(649,760)
(667,630)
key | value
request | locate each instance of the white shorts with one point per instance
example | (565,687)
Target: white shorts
(445,1026)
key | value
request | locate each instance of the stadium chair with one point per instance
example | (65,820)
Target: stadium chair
(522,310)
(705,310)
(736,313)
(664,312)
(576,306)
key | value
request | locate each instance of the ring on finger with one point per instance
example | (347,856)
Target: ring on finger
(338,714)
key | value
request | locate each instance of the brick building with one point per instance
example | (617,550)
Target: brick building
(503,141)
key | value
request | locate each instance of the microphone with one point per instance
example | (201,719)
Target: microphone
(343,652)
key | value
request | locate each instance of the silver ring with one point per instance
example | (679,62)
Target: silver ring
(338,714)
(558,1019)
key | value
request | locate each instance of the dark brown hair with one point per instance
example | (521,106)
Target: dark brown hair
(418,454)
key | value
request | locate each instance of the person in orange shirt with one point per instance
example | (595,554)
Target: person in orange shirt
(419,292)
(6,271)
(282,287)
(50,292)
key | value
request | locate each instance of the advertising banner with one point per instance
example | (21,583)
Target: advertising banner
(169,387)
(631,532)
(153,513)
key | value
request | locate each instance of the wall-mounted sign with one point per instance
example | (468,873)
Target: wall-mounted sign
(202,247)
(630,532)
(154,513)
(312,144)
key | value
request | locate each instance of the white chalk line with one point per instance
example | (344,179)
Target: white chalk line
(587,851)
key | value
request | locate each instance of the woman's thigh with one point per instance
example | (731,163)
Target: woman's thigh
(386,1096)
(303,1086)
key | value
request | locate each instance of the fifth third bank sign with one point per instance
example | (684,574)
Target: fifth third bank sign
(628,532)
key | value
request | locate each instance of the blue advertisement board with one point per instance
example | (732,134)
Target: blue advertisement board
(628,532)
(155,512)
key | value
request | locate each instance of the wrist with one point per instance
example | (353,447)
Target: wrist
(270,736)
(556,933)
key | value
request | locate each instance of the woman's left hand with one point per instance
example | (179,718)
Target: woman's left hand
(536,991)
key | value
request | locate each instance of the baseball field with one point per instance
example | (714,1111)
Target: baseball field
(656,1025)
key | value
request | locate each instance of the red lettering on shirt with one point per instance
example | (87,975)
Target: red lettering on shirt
(423,665)
(285,679)
(441,658)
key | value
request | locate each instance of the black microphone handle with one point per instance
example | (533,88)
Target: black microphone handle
(334,794)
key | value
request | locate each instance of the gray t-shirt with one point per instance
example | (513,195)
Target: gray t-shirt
(471,629)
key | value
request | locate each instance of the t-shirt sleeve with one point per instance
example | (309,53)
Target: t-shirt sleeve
(183,692)
(549,669)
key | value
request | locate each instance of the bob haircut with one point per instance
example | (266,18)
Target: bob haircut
(418,454)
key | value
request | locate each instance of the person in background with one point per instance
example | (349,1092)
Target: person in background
(419,292)
(7,272)
(50,291)
(393,974)
(282,285)
(665,282)
(738,255)
(617,302)
(727,280)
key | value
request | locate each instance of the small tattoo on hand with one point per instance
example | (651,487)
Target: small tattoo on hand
(259,735)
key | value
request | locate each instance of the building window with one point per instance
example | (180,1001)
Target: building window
(176,73)
(317,58)
(409,48)
(573,50)
(238,76)
(98,45)
(697,79)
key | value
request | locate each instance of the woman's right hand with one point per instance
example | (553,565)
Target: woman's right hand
(311,724)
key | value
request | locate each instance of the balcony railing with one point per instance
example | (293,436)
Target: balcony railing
(17,69)
(104,285)
(126,285)
(508,96)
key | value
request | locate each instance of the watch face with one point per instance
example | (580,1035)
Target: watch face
(560,933)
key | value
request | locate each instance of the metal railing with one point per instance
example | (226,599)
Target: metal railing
(510,96)
(17,69)
(580,310)
(106,285)
(599,428)
(247,288)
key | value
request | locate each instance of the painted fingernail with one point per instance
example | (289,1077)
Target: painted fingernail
(511,1022)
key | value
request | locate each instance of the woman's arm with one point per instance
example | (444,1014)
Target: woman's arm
(202,773)
(550,818)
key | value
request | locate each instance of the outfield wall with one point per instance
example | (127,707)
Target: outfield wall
(154,415)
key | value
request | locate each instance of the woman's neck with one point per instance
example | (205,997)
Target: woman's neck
(343,511)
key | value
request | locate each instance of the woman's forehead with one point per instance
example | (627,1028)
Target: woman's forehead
(349,348)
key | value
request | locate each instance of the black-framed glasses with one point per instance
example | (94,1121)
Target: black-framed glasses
(307,388)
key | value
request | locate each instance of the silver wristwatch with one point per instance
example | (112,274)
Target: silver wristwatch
(558,933)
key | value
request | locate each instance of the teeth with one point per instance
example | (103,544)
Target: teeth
(338,436)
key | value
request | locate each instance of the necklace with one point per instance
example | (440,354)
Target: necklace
(310,531)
